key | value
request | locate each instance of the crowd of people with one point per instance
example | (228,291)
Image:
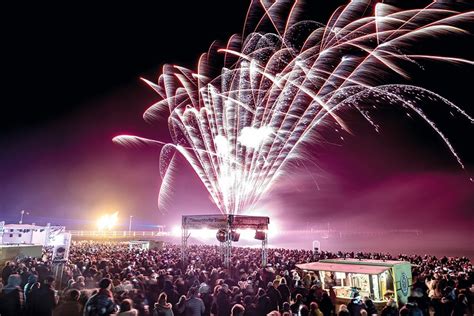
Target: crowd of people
(111,278)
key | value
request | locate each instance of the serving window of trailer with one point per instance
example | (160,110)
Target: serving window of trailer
(370,281)
(344,282)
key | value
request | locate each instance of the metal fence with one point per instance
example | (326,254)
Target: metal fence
(117,233)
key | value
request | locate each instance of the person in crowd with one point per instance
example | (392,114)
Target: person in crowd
(370,307)
(223,303)
(162,307)
(11,297)
(411,308)
(237,310)
(314,309)
(390,309)
(461,308)
(193,306)
(263,303)
(355,305)
(180,306)
(284,290)
(70,306)
(101,303)
(343,311)
(141,275)
(28,308)
(126,308)
(296,306)
(32,279)
(326,306)
(250,309)
(304,311)
(171,293)
(42,301)
(274,295)
(7,270)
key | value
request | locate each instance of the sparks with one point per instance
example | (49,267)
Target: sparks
(239,127)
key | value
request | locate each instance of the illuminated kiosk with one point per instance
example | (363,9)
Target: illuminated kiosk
(226,226)
(145,244)
(376,279)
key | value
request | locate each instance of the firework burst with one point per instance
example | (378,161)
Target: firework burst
(243,115)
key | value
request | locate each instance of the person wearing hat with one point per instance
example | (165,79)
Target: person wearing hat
(101,303)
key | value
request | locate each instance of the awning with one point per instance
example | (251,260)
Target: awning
(342,267)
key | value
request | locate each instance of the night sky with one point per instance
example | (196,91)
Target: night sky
(71,83)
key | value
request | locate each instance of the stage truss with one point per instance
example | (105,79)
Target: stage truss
(228,223)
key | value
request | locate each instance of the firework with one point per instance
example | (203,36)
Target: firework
(244,114)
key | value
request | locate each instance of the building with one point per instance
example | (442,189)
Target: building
(28,234)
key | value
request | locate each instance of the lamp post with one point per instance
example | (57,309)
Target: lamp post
(22,214)
(130,225)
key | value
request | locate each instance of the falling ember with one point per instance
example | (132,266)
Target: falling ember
(244,115)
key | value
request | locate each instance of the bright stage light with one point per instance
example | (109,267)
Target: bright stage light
(176,231)
(246,234)
(107,221)
(203,234)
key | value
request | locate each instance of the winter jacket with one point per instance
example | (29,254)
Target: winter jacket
(163,310)
(223,303)
(42,301)
(389,311)
(132,312)
(194,307)
(68,308)
(100,304)
(32,279)
(11,297)
(275,298)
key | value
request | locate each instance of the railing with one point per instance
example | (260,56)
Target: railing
(117,234)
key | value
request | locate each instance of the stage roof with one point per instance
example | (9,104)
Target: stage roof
(339,267)
(371,262)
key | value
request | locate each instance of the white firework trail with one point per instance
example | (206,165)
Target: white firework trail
(240,126)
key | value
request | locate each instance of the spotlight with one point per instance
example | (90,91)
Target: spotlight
(260,235)
(221,235)
(234,236)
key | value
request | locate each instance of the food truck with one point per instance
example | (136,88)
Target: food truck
(376,279)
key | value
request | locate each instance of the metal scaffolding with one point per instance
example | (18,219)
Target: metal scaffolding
(184,244)
(229,224)
(265,251)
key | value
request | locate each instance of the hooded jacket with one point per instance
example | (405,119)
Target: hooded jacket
(163,310)
(100,304)
(11,297)
(32,279)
